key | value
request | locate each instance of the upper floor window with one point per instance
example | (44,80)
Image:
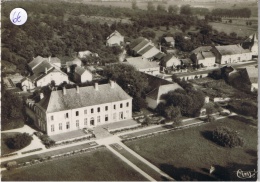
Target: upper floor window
(77,113)
(127,104)
(52,118)
(67,115)
(114,106)
(98,109)
(85,111)
(106,108)
(92,110)
(121,105)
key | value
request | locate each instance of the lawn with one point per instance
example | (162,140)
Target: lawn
(4,148)
(99,165)
(189,151)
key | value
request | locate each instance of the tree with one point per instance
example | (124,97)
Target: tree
(132,82)
(209,111)
(186,10)
(173,9)
(19,141)
(134,5)
(150,6)
(173,113)
(161,8)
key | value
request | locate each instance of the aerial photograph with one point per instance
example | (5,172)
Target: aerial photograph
(129,90)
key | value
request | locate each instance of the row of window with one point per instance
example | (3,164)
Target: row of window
(92,110)
(92,123)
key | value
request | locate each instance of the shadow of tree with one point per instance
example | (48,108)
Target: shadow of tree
(252,152)
(185,174)
(244,120)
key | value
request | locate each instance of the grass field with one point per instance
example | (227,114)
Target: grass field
(239,29)
(4,148)
(99,165)
(190,152)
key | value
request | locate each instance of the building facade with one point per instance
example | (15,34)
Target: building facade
(81,107)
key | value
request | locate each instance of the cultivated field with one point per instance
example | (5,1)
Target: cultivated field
(99,165)
(190,152)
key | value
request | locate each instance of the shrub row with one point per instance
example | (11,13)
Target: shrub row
(126,129)
(13,164)
(8,155)
(72,141)
(34,150)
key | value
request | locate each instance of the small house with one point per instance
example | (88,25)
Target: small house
(82,75)
(115,39)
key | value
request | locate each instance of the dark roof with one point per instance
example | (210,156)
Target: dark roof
(159,55)
(141,45)
(231,49)
(136,42)
(201,48)
(80,70)
(35,62)
(186,61)
(87,96)
(155,82)
(163,89)
(146,49)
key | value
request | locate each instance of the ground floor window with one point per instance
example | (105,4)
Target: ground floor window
(60,126)
(121,115)
(98,119)
(114,116)
(86,121)
(92,122)
(52,128)
(106,117)
(67,125)
(77,123)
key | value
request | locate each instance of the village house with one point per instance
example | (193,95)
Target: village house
(168,41)
(44,73)
(157,88)
(231,54)
(115,39)
(61,111)
(203,56)
(82,75)
(38,60)
(143,65)
(170,62)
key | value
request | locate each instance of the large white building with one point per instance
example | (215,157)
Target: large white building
(66,110)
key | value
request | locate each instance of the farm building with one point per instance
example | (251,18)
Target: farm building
(168,41)
(231,54)
(61,111)
(170,62)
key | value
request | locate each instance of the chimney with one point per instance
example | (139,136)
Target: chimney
(96,86)
(112,84)
(41,96)
(77,88)
(64,90)
(46,70)
(49,59)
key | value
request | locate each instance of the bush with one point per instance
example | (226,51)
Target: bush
(19,141)
(246,108)
(227,137)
